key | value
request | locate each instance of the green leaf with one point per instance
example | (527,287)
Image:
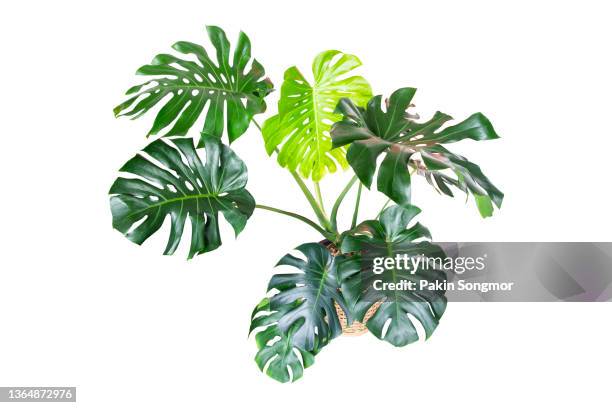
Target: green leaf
(390,237)
(222,87)
(302,312)
(278,355)
(485,207)
(311,294)
(372,132)
(470,177)
(172,180)
(306,113)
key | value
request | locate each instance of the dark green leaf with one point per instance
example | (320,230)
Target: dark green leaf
(390,237)
(222,87)
(302,312)
(393,132)
(469,177)
(393,179)
(176,182)
(278,354)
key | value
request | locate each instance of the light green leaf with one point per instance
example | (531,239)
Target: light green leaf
(306,113)
(485,207)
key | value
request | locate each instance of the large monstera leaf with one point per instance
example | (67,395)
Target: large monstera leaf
(390,238)
(406,143)
(306,112)
(302,312)
(174,181)
(223,87)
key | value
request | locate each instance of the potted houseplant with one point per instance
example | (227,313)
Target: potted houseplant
(323,124)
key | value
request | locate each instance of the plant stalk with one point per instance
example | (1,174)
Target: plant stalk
(313,202)
(256,124)
(320,198)
(383,208)
(336,207)
(298,217)
(356,212)
(309,197)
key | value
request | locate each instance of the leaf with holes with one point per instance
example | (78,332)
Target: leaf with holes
(306,113)
(302,313)
(363,286)
(223,87)
(173,181)
(278,355)
(311,294)
(373,131)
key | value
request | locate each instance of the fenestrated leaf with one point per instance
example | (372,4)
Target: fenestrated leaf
(278,354)
(306,113)
(223,87)
(390,237)
(281,355)
(311,292)
(302,312)
(393,132)
(176,183)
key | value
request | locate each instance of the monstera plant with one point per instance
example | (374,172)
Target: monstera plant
(325,122)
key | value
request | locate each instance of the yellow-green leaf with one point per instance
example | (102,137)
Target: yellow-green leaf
(301,130)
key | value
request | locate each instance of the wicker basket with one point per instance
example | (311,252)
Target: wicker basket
(356,328)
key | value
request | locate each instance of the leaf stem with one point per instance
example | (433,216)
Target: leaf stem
(319,197)
(312,201)
(356,212)
(334,213)
(324,222)
(256,124)
(383,208)
(296,216)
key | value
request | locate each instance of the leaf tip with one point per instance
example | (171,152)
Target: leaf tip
(484,204)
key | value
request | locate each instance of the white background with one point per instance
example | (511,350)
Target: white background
(81,305)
